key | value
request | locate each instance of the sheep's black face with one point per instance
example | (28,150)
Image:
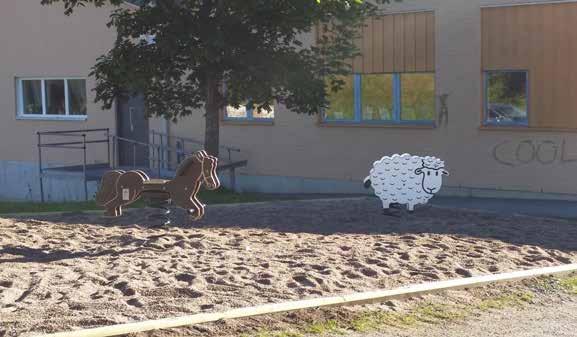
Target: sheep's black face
(432,178)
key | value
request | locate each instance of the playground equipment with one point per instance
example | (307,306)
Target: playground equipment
(406,179)
(119,188)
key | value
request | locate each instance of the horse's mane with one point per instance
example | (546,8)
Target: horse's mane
(184,165)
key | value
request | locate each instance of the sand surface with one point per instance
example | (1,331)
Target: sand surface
(79,270)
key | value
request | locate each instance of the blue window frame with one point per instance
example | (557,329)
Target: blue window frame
(247,113)
(506,98)
(398,98)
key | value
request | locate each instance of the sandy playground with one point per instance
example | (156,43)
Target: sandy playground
(80,270)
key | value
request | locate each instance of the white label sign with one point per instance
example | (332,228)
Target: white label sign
(125,194)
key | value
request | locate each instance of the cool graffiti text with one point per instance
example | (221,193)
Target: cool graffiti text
(545,152)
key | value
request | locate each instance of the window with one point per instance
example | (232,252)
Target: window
(405,98)
(51,98)
(506,98)
(248,113)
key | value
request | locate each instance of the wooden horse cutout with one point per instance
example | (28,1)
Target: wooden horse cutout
(119,188)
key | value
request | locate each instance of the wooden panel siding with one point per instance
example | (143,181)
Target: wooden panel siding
(542,40)
(397,43)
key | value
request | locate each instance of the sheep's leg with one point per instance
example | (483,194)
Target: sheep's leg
(388,209)
(386,204)
(410,207)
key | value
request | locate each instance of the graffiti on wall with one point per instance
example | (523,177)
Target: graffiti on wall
(525,152)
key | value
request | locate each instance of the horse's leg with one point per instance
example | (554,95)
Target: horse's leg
(184,196)
(128,188)
(107,189)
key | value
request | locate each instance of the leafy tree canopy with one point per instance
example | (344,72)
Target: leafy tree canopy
(260,50)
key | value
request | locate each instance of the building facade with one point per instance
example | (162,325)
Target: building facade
(486,85)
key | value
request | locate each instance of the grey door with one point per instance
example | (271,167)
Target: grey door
(132,125)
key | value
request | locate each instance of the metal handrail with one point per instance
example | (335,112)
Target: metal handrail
(189,140)
(79,133)
(156,157)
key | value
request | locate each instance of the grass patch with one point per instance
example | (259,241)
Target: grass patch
(221,196)
(425,313)
(570,285)
(271,333)
(506,301)
(318,328)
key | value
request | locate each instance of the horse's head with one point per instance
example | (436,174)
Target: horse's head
(200,166)
(208,164)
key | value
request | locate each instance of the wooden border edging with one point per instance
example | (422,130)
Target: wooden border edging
(357,298)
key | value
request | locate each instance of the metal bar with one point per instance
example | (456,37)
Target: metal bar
(63,147)
(198,142)
(84,169)
(70,131)
(63,135)
(40,167)
(108,146)
(160,154)
(75,143)
(114,150)
(151,160)
(159,164)
(134,141)
(133,155)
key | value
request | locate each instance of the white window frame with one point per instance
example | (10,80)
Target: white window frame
(44,116)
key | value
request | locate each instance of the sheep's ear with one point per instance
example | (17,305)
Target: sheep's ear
(445,172)
(419,171)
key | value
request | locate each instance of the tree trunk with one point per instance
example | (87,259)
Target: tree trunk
(212,119)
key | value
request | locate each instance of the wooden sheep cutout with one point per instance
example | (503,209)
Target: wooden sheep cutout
(406,179)
(119,188)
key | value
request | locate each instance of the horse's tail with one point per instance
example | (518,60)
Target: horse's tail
(367,182)
(107,189)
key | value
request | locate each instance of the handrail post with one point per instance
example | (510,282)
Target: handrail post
(40,166)
(114,141)
(159,163)
(133,155)
(108,146)
(160,152)
(84,167)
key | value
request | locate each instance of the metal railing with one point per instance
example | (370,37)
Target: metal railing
(76,145)
(181,142)
(161,154)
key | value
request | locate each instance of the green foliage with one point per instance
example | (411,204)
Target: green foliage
(256,47)
(377,96)
(341,99)
(260,50)
(418,96)
(507,88)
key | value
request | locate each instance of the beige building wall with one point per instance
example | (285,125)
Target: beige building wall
(40,41)
(485,159)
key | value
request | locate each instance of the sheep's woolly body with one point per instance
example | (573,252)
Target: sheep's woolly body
(394,180)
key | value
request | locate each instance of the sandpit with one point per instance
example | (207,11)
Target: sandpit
(78,270)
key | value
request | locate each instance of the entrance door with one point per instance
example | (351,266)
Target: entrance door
(132,125)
